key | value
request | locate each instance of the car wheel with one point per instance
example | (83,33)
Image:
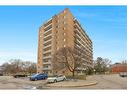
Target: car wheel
(17,76)
(35,79)
(55,81)
(64,79)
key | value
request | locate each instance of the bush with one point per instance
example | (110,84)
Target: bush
(81,77)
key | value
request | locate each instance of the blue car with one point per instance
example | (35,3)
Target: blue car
(38,77)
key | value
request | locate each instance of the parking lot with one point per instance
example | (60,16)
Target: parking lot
(113,81)
(8,82)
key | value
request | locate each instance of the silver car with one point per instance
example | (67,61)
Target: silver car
(56,78)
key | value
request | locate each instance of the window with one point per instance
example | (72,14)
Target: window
(57,48)
(57,26)
(64,28)
(63,72)
(64,17)
(64,22)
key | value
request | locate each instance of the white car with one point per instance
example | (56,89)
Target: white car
(56,78)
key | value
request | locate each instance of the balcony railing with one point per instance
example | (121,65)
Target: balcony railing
(48,35)
(47,46)
(47,56)
(47,51)
(47,41)
(46,63)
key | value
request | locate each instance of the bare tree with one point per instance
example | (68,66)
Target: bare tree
(68,58)
(124,62)
(19,66)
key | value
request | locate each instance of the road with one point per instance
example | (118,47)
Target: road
(112,81)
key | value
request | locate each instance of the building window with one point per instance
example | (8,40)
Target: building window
(64,22)
(57,48)
(64,28)
(64,17)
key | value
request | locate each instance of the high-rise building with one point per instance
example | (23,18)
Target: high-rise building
(62,30)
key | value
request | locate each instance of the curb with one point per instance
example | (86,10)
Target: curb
(89,84)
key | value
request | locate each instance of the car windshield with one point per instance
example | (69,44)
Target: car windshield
(35,75)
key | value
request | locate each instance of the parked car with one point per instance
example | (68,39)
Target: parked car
(56,78)
(123,74)
(40,76)
(19,75)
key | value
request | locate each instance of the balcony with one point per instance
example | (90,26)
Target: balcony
(47,41)
(48,30)
(47,46)
(48,27)
(47,51)
(44,57)
(47,63)
(48,22)
(47,35)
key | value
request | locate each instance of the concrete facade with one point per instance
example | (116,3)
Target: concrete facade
(62,30)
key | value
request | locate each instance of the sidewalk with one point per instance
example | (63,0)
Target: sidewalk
(73,83)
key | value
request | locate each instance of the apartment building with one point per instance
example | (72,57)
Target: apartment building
(62,30)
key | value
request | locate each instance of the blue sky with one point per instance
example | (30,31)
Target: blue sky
(19,25)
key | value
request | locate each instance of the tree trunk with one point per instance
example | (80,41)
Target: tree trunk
(73,74)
